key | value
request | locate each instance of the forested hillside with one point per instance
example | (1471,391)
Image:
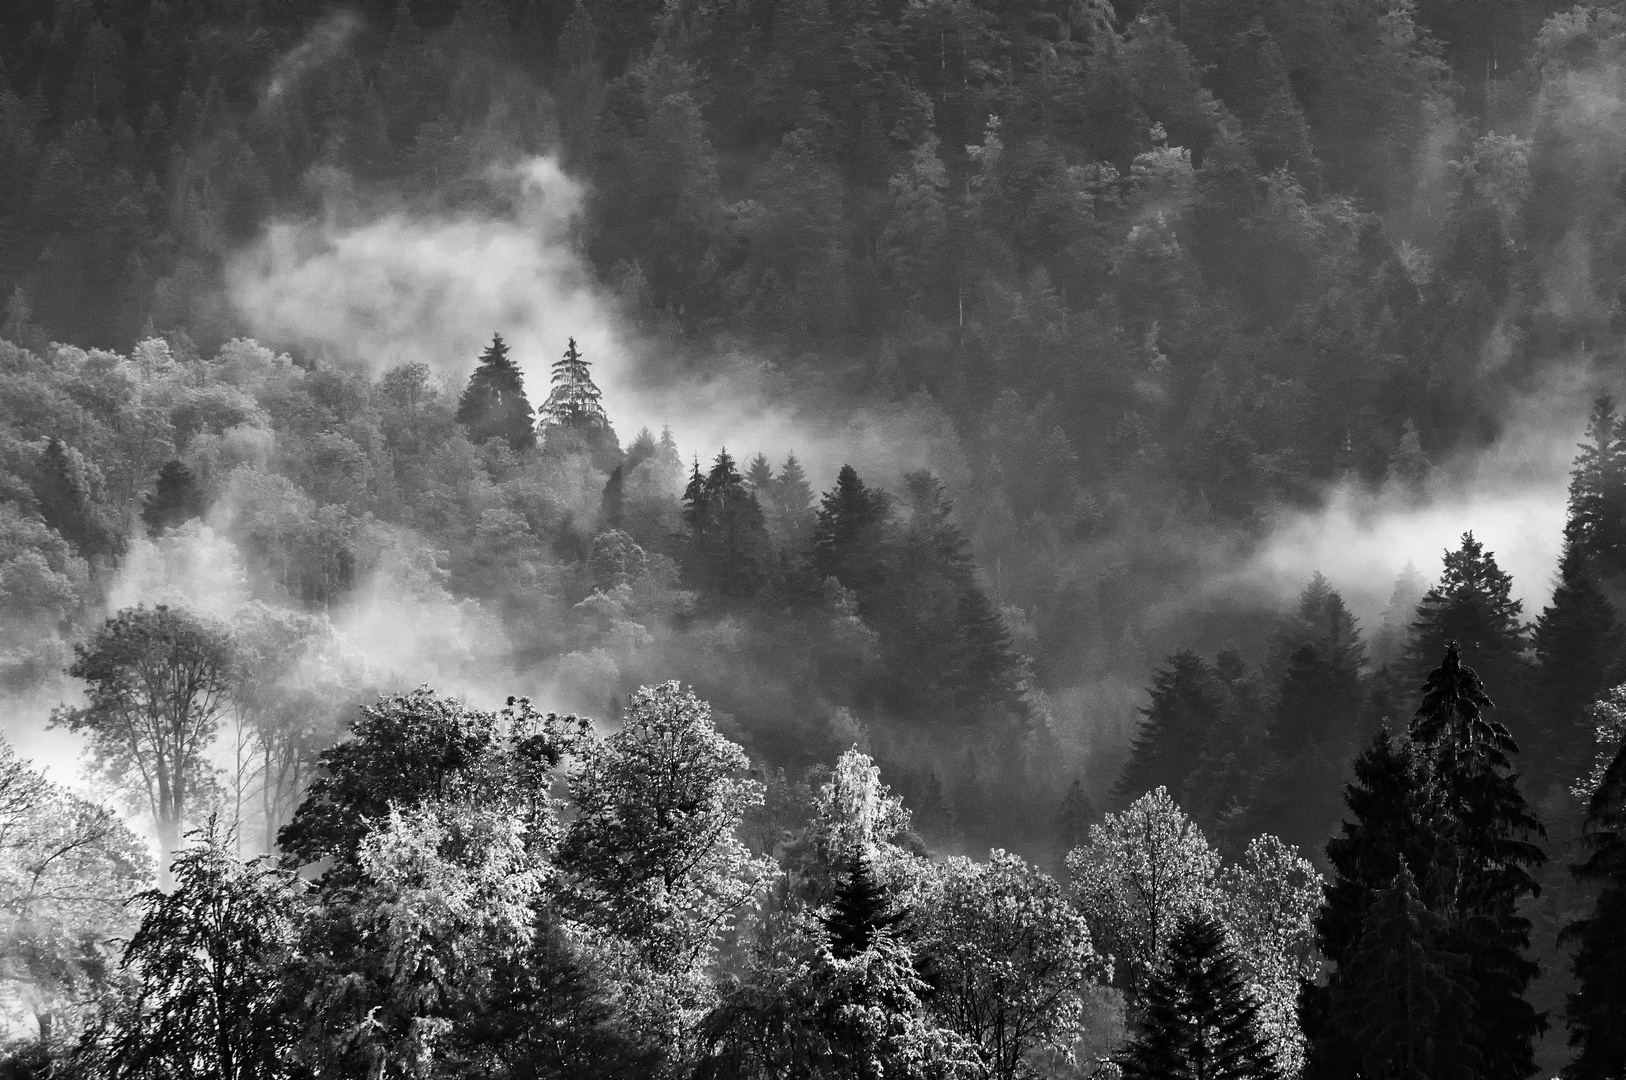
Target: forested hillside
(442,722)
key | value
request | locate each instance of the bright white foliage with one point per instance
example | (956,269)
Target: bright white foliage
(1142,872)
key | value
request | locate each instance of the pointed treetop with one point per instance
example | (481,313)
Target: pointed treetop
(574,399)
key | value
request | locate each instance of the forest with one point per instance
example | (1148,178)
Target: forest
(721,539)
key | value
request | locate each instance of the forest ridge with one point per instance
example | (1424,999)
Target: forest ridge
(1151,274)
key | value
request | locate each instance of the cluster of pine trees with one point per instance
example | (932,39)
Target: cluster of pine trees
(1164,265)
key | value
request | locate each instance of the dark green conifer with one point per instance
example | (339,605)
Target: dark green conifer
(759,476)
(175,500)
(1198,1018)
(1408,1013)
(1074,818)
(494,405)
(1389,828)
(727,555)
(62,488)
(860,909)
(1488,843)
(850,533)
(1473,605)
(1597,503)
(1596,1010)
(1187,703)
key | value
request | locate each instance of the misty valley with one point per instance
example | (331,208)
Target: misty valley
(812,539)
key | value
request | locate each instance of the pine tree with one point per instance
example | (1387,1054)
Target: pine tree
(1579,648)
(859,910)
(1409,1014)
(788,503)
(759,476)
(1198,1018)
(1074,818)
(574,400)
(1596,1011)
(175,500)
(1473,605)
(1187,703)
(63,491)
(1488,841)
(494,405)
(727,555)
(1597,503)
(1389,828)
(850,533)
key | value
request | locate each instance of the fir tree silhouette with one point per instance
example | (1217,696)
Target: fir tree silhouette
(1198,1019)
(859,911)
(494,405)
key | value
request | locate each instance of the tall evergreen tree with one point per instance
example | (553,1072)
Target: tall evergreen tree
(1473,605)
(63,490)
(1580,648)
(1315,724)
(494,405)
(1389,828)
(1198,1018)
(573,402)
(788,503)
(849,537)
(175,500)
(1596,1010)
(859,910)
(1597,503)
(1489,842)
(1408,1008)
(727,555)
(759,476)
(1187,703)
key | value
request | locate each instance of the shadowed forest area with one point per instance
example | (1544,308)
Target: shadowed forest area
(381,701)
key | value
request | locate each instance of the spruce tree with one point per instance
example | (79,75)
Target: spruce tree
(175,500)
(1198,1018)
(759,477)
(788,503)
(1409,1013)
(573,402)
(1389,828)
(1187,703)
(1473,605)
(1489,853)
(1315,724)
(1597,503)
(64,493)
(1579,651)
(727,555)
(849,536)
(859,910)
(1596,1011)
(494,405)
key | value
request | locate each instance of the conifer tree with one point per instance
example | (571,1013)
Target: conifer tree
(1596,1010)
(1389,828)
(63,491)
(1597,503)
(574,400)
(1074,818)
(759,476)
(849,535)
(175,500)
(788,503)
(1473,605)
(1409,1012)
(1579,650)
(859,910)
(726,558)
(1198,1018)
(1186,704)
(494,405)
(1488,838)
